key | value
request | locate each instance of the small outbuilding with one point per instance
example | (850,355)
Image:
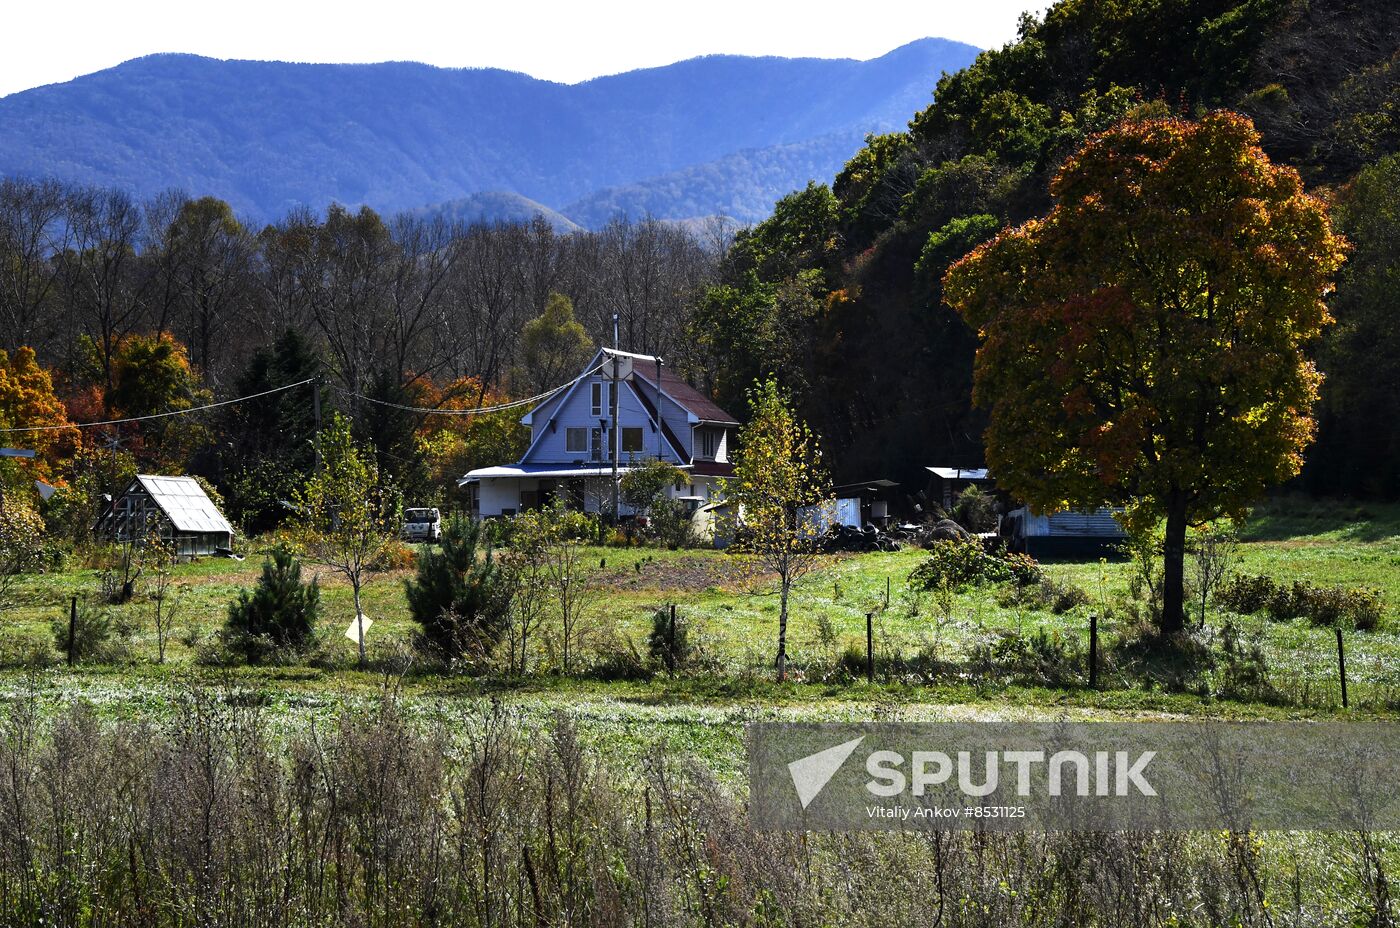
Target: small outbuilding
(175,509)
(945,483)
(874,499)
(1073,533)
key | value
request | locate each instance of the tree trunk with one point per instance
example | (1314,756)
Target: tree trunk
(1174,566)
(782,631)
(359,621)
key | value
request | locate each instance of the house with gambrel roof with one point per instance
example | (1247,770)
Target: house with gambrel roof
(576,449)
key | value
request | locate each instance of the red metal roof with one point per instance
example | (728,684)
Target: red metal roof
(692,399)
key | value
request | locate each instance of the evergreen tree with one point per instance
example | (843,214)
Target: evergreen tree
(280,613)
(461,597)
(268,444)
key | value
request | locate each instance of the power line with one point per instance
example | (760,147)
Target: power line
(300,383)
(482,410)
(158,415)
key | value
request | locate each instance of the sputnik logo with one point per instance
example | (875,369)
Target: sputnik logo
(810,774)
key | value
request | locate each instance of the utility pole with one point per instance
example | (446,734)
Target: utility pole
(660,422)
(616,442)
(316,414)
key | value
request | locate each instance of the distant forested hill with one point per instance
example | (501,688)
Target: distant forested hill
(742,185)
(498,206)
(727,133)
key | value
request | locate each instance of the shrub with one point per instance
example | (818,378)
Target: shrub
(1246,594)
(395,555)
(1177,662)
(26,649)
(975,510)
(1049,595)
(644,490)
(1244,671)
(461,596)
(279,614)
(1025,570)
(96,635)
(960,562)
(957,562)
(1336,605)
(920,666)
(1040,658)
(672,525)
(668,646)
(615,657)
(1322,605)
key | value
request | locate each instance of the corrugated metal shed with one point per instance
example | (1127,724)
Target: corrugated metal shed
(1097,524)
(1073,532)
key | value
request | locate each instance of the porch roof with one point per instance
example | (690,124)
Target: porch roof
(539,470)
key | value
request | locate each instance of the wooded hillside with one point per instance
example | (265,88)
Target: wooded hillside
(839,292)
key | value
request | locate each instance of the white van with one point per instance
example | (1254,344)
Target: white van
(421,525)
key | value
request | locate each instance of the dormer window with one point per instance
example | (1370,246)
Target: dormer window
(709,443)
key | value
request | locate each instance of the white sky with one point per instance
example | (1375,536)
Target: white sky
(46,41)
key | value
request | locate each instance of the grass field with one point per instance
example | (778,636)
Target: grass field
(702,714)
(733,620)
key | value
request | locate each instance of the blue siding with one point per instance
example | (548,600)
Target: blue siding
(575,411)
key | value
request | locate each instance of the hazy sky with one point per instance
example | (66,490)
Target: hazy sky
(45,41)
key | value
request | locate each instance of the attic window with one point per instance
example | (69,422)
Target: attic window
(576,440)
(632,440)
(600,397)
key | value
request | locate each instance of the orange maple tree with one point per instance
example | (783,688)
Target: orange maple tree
(27,400)
(1142,345)
(457,444)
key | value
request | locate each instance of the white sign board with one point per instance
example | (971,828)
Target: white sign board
(353,632)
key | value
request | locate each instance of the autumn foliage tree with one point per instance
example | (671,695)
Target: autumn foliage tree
(1143,344)
(151,375)
(27,401)
(553,346)
(347,518)
(455,444)
(778,471)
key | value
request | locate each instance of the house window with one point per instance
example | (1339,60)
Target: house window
(597,444)
(600,397)
(576,441)
(709,443)
(632,440)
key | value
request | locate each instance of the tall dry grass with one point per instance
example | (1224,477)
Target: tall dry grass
(374,819)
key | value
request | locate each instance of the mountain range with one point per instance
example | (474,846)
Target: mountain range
(718,135)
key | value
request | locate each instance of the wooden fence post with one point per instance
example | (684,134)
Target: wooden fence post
(870,647)
(1093,651)
(72,631)
(671,657)
(1342,666)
